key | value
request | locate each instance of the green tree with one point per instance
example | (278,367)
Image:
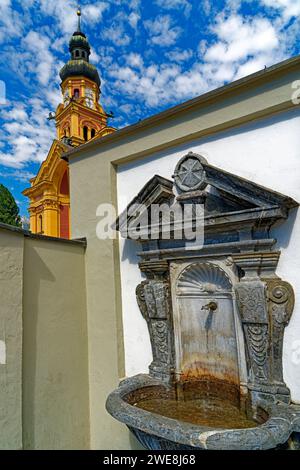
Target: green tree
(9,211)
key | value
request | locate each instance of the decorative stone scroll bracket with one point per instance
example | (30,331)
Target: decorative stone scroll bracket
(153,297)
(266,304)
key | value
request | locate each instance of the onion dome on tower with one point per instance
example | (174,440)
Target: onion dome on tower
(79,64)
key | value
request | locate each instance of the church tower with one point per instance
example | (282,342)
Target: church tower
(79,118)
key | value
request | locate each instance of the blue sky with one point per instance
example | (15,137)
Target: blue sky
(150,54)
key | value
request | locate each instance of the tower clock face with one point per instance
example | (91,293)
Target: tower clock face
(89,98)
(66,98)
(89,102)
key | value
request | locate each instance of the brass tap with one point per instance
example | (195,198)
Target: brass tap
(210,306)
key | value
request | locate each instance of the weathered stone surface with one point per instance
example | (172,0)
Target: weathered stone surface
(158,432)
(266,306)
(219,312)
(235,204)
(154,303)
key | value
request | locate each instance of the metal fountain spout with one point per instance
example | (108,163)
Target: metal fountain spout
(211,306)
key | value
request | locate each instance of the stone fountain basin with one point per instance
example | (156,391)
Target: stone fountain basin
(271,427)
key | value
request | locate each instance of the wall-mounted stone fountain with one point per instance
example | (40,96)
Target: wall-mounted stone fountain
(216,313)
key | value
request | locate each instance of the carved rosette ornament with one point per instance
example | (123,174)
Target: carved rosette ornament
(153,297)
(189,173)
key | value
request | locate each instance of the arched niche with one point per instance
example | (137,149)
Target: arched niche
(64,184)
(205,324)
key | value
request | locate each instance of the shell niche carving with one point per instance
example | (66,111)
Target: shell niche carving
(203,278)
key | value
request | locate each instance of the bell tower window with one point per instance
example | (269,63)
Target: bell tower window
(77,53)
(85,133)
(93,133)
(76,93)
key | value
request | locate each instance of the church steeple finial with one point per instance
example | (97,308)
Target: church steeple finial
(79,19)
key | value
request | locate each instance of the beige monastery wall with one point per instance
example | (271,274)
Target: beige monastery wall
(44,393)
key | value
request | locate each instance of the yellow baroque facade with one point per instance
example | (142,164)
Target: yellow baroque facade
(79,118)
(49,195)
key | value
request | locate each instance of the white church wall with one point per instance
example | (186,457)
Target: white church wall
(266,152)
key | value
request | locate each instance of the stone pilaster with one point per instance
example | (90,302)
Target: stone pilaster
(265,304)
(153,297)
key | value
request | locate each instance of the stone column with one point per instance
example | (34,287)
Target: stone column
(153,297)
(265,304)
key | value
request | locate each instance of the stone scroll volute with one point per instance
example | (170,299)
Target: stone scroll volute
(281,302)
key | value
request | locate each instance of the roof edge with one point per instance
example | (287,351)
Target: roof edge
(194,102)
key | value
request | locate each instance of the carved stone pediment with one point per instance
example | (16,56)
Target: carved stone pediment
(229,202)
(158,190)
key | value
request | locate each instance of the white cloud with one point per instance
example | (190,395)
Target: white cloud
(243,45)
(41,60)
(94,57)
(234,5)
(180,55)
(134,4)
(159,85)
(92,13)
(117,35)
(11,24)
(289,8)
(134,60)
(252,66)
(18,175)
(133,19)
(16,114)
(206,5)
(28,134)
(161,31)
(241,38)
(184,5)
